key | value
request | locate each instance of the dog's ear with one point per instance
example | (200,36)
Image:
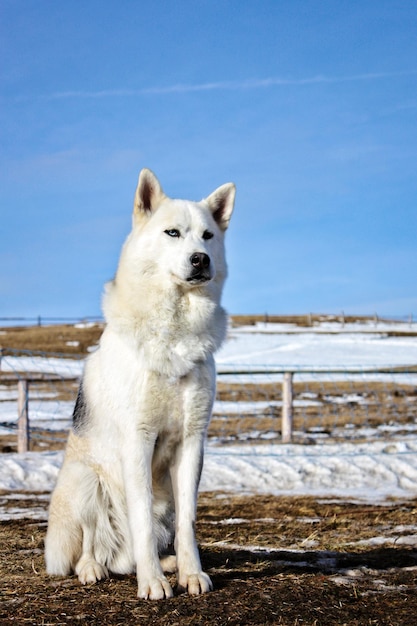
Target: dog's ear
(149,194)
(221,203)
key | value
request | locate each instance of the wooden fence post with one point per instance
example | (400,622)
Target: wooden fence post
(287,417)
(23,415)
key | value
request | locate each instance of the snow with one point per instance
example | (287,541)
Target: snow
(316,348)
(354,470)
(370,471)
(44,414)
(54,365)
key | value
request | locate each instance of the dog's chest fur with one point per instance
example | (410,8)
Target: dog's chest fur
(169,334)
(156,378)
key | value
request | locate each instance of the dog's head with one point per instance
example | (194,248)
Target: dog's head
(179,238)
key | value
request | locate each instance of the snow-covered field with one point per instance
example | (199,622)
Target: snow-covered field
(370,471)
(327,345)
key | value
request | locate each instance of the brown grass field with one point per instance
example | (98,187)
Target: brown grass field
(273,560)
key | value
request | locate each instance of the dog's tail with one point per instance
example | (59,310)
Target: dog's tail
(64,537)
(63,541)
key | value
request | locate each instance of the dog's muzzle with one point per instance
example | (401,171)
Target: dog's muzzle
(200,272)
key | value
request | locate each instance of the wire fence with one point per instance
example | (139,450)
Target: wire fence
(37,395)
(306,320)
(321,404)
(253,405)
(42,320)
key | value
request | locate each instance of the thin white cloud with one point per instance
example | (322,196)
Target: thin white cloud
(250,84)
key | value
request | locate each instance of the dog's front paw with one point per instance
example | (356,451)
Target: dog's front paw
(154,588)
(195,584)
(89,571)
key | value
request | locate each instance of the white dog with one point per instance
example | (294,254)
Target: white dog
(128,485)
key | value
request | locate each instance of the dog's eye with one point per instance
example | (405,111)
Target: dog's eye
(207,235)
(173,232)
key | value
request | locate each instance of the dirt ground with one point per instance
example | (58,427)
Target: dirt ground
(273,560)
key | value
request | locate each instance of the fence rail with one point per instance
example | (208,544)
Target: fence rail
(316,403)
(309,319)
(270,402)
(23,381)
(39,320)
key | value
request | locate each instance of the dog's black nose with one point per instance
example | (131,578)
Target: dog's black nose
(200,260)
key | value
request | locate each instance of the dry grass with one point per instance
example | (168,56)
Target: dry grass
(65,339)
(298,320)
(272,560)
(307,320)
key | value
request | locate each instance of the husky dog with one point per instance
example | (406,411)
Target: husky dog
(127,489)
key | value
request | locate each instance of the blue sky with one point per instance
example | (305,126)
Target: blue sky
(309,106)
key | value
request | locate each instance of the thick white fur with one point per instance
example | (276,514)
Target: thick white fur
(128,485)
